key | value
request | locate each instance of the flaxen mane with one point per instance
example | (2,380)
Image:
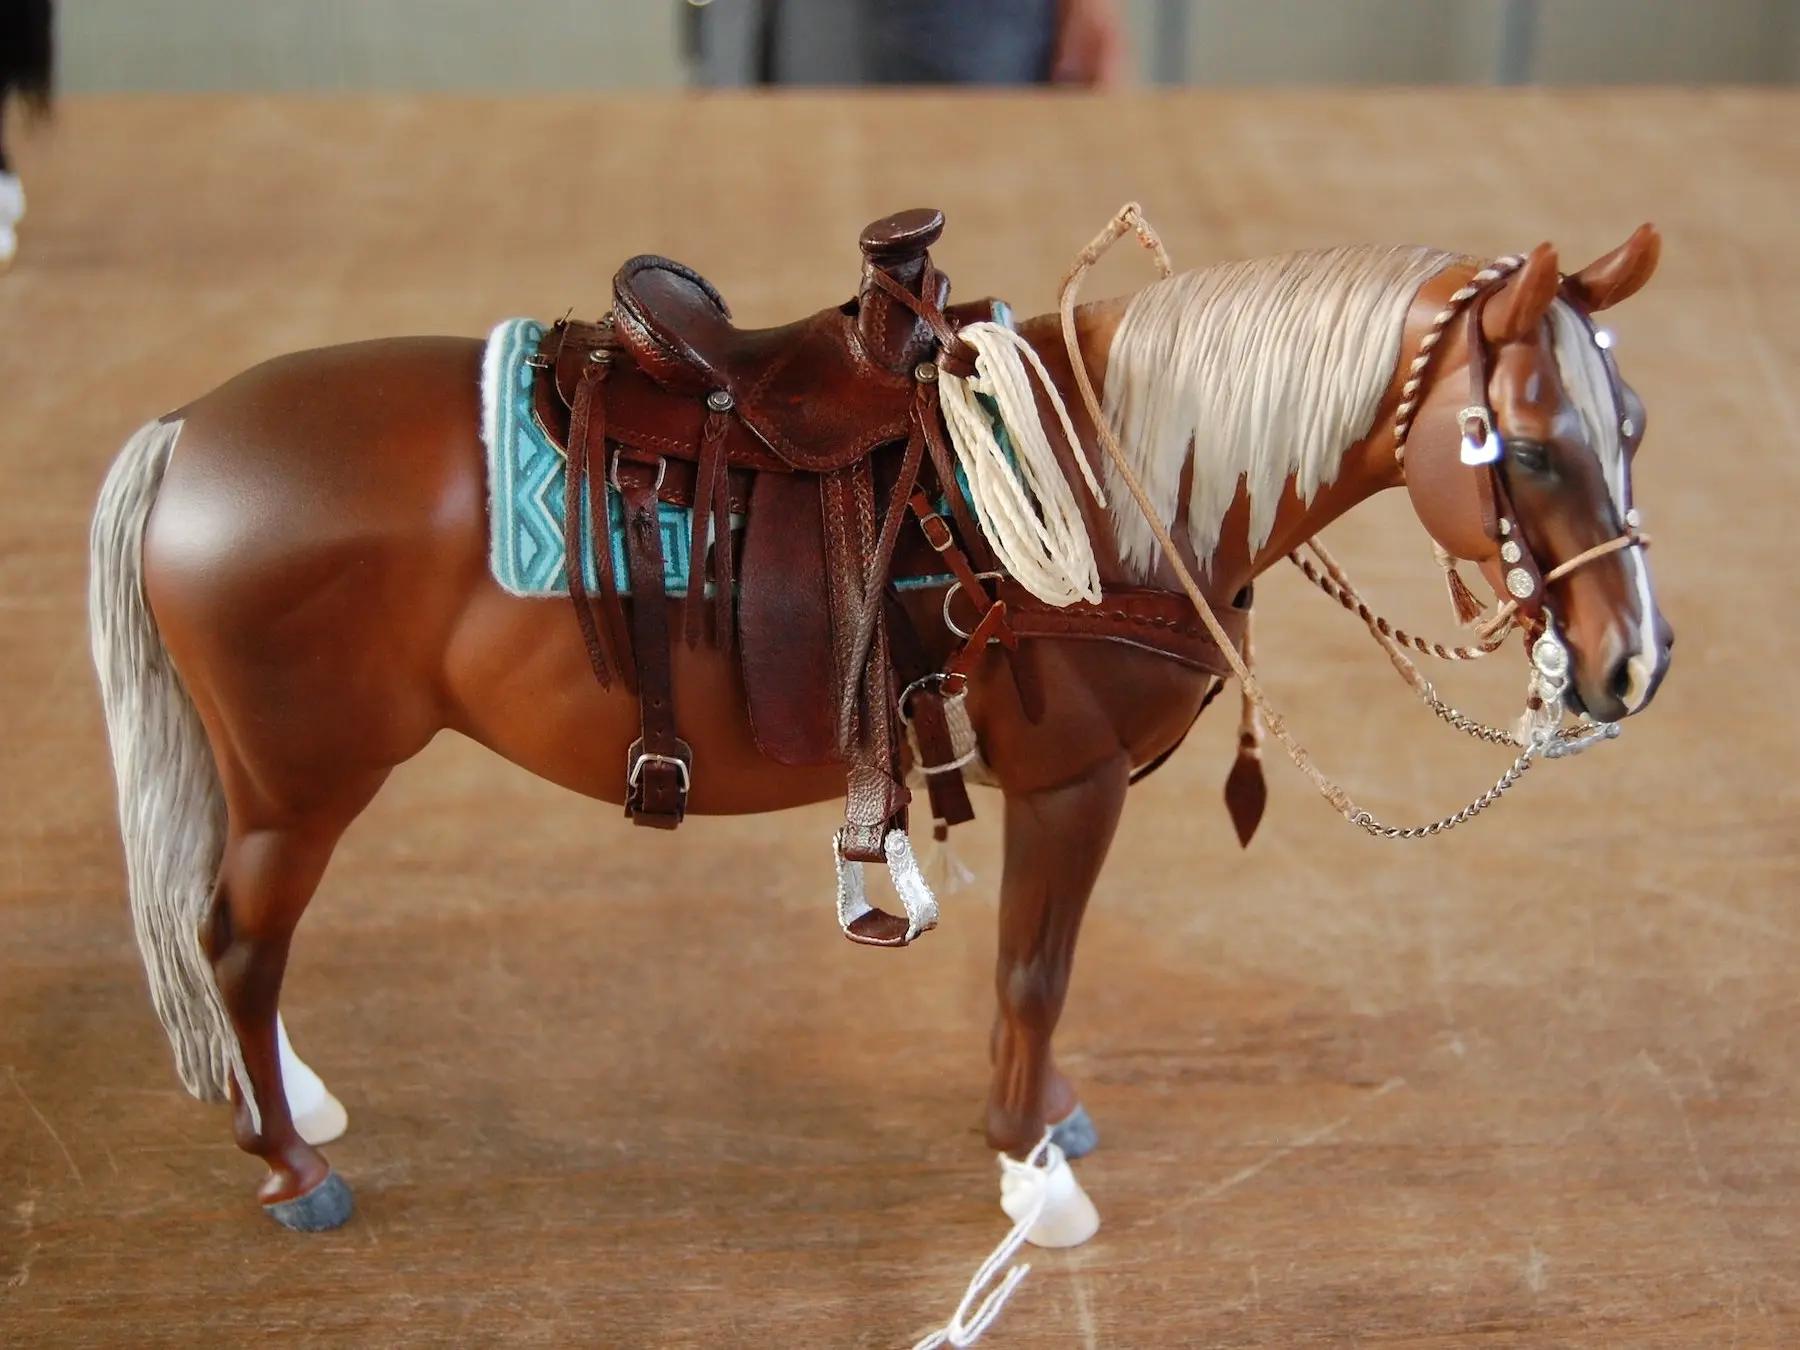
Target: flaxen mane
(1271,368)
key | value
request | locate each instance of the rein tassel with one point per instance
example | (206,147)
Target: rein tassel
(1462,599)
(1246,793)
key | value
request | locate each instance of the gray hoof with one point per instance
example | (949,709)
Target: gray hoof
(324,1207)
(1075,1135)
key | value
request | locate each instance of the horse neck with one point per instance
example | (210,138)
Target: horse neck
(1368,467)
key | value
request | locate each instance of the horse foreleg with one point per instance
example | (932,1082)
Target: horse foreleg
(1056,843)
(267,877)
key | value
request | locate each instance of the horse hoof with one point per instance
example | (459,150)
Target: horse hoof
(324,1121)
(326,1206)
(1075,1134)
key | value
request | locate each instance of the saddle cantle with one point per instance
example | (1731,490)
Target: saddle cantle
(822,437)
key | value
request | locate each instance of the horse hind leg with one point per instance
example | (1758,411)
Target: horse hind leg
(173,816)
(267,876)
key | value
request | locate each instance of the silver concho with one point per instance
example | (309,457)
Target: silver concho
(1505,526)
(1520,583)
(1633,520)
(1550,657)
(720,400)
(1509,552)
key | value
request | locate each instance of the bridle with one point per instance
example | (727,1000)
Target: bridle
(1483,447)
(1522,605)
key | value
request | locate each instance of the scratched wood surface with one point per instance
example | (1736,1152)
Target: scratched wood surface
(1530,1085)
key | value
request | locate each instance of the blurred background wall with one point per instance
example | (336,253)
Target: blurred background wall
(540,45)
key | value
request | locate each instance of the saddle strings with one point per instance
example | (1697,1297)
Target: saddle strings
(1030,513)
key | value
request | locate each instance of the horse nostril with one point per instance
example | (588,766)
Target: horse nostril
(1619,683)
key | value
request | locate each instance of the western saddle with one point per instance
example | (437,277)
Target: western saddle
(821,436)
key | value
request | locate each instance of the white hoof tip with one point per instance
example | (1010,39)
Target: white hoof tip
(1068,1218)
(326,1206)
(322,1122)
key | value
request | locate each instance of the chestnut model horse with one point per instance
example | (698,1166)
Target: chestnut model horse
(292,595)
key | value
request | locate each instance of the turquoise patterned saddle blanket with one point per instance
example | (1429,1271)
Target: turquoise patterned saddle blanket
(527,477)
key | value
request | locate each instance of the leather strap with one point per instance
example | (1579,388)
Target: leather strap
(879,561)
(1478,399)
(923,706)
(1162,622)
(954,355)
(974,541)
(1498,519)
(659,764)
(876,799)
(586,423)
(992,628)
(948,793)
(710,509)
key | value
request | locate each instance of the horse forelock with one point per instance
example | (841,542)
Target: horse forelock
(1272,369)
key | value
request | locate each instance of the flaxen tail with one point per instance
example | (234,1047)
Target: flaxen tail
(171,804)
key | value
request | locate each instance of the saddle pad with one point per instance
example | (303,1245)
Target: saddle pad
(527,476)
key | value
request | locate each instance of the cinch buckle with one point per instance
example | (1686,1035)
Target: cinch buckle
(641,758)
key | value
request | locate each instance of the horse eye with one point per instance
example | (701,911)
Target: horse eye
(1529,456)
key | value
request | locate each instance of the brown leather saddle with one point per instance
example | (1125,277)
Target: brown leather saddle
(823,437)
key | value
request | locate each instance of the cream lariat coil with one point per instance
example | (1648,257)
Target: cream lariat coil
(1030,516)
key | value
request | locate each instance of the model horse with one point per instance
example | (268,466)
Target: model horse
(293,593)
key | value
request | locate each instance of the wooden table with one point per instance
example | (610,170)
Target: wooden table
(1530,1085)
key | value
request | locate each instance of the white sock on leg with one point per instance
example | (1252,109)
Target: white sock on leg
(318,1116)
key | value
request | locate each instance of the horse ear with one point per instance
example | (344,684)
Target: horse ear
(1521,304)
(1618,276)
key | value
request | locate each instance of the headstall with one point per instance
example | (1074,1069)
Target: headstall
(1482,447)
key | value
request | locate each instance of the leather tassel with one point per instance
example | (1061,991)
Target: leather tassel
(1462,599)
(1246,792)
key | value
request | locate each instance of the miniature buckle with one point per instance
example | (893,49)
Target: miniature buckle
(937,532)
(641,758)
(1487,449)
(612,473)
